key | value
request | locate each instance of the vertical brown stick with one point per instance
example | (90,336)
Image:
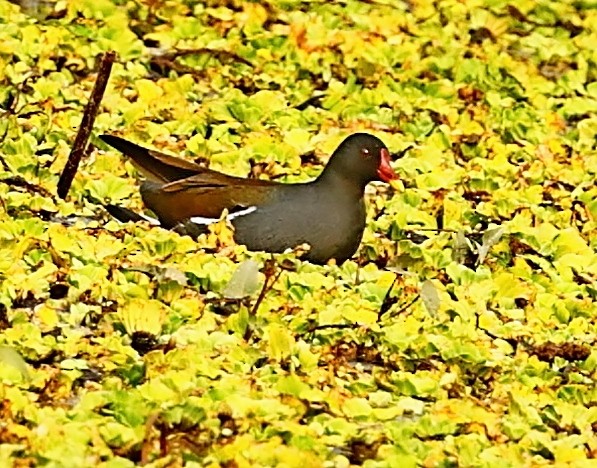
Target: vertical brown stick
(74,158)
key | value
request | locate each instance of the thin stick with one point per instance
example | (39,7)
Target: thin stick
(18,181)
(387,300)
(406,306)
(272,274)
(80,144)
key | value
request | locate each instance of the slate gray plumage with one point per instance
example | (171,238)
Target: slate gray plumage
(327,213)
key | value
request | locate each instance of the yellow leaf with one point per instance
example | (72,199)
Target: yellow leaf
(142,315)
(355,407)
(280,341)
(570,241)
(149,92)
(47,316)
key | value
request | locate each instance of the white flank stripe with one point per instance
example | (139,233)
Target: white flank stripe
(244,212)
(207,221)
(150,220)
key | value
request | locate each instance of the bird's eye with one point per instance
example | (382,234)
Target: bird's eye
(365,153)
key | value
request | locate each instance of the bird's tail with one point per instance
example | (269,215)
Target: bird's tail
(154,165)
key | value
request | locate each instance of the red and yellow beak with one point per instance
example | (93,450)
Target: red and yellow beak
(385,171)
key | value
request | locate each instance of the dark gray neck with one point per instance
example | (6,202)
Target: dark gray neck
(335,181)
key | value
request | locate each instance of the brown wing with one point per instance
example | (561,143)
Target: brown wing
(205,195)
(176,189)
(166,168)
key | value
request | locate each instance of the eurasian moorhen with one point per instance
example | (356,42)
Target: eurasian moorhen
(327,213)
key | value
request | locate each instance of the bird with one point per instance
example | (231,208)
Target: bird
(327,213)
